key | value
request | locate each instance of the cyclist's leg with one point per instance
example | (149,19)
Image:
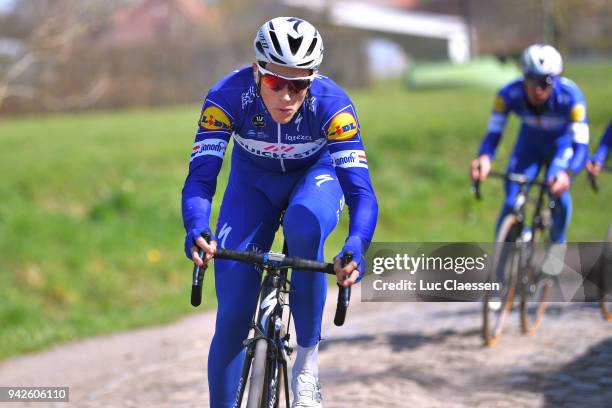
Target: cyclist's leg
(562,211)
(312,213)
(561,215)
(247,220)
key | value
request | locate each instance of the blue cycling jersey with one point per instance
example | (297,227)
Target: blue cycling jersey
(561,123)
(325,129)
(605,144)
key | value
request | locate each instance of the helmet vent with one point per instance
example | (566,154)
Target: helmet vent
(277,60)
(311,48)
(305,63)
(260,47)
(294,43)
(275,43)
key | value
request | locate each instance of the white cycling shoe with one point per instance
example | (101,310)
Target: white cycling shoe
(306,390)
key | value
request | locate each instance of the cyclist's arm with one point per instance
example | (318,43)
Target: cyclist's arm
(497,124)
(212,137)
(603,150)
(579,134)
(351,165)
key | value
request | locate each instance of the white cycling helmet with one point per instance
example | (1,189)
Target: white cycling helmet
(289,41)
(542,59)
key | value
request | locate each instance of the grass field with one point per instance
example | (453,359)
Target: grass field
(90,229)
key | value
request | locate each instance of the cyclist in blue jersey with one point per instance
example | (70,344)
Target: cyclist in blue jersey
(297,146)
(598,159)
(554,130)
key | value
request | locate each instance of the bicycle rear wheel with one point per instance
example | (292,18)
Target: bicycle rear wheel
(605,288)
(258,375)
(497,307)
(535,287)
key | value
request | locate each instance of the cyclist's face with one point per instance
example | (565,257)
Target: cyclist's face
(283,103)
(537,94)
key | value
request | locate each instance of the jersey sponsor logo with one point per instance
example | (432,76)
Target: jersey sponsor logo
(298,138)
(298,121)
(545,122)
(497,122)
(257,134)
(258,121)
(247,97)
(279,150)
(578,113)
(499,105)
(253,246)
(580,132)
(214,118)
(342,127)
(209,147)
(223,234)
(350,158)
(323,178)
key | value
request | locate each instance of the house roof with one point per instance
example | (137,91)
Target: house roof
(193,10)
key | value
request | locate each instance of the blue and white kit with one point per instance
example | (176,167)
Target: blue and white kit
(556,133)
(310,167)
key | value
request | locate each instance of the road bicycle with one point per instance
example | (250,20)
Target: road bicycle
(516,263)
(268,347)
(605,266)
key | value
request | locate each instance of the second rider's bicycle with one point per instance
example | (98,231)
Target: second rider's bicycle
(516,265)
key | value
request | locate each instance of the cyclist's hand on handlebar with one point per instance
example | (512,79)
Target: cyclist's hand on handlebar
(480,168)
(593,167)
(209,251)
(560,183)
(348,275)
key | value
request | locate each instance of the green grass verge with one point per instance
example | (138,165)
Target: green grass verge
(90,229)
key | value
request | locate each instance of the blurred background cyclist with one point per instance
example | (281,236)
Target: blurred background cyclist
(554,131)
(595,163)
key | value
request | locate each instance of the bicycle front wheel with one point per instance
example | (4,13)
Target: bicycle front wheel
(497,306)
(535,287)
(258,375)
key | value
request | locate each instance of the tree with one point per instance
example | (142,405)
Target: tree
(54,33)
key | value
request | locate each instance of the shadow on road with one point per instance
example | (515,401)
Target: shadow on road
(400,341)
(585,381)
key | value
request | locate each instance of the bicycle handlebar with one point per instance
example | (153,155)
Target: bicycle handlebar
(593,179)
(344,293)
(275,260)
(264,259)
(593,182)
(198,276)
(513,177)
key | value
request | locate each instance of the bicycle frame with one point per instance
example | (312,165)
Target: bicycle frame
(268,325)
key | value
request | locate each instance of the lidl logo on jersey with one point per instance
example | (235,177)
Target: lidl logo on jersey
(209,147)
(578,113)
(342,127)
(500,105)
(350,158)
(214,118)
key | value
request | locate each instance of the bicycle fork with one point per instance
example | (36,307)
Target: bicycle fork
(268,325)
